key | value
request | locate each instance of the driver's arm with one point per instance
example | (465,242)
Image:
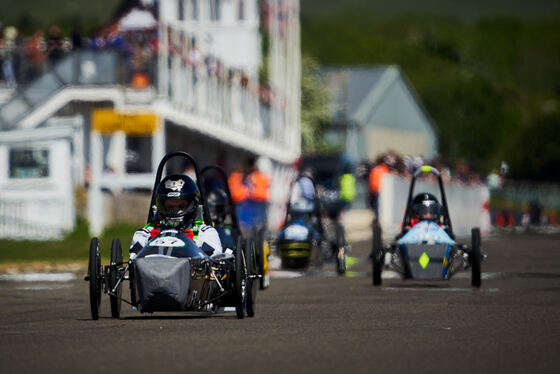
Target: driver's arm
(139,240)
(209,237)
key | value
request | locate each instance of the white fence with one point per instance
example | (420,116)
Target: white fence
(35,219)
(467,204)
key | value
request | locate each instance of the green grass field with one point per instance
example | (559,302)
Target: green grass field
(73,248)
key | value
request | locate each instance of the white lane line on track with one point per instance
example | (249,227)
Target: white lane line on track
(467,275)
(285,274)
(442,289)
(38,277)
(45,287)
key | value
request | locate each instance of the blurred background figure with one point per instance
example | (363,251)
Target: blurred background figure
(258,184)
(382,166)
(55,47)
(347,186)
(7,48)
(35,54)
(494,180)
(239,193)
(304,187)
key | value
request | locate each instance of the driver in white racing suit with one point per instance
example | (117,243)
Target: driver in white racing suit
(177,200)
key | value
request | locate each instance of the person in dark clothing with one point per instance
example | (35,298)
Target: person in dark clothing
(55,49)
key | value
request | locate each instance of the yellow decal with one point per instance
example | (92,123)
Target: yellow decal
(297,253)
(426,168)
(266,254)
(295,245)
(107,121)
(424,260)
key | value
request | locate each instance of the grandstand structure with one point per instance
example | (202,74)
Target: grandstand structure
(218,79)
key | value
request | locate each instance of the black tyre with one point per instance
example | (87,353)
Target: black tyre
(340,237)
(240,280)
(116,261)
(251,288)
(341,261)
(377,255)
(475,257)
(259,252)
(340,253)
(95,279)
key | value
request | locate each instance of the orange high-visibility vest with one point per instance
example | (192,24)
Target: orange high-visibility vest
(375,177)
(258,186)
(239,192)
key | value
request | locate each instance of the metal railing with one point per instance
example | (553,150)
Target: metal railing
(94,68)
(227,97)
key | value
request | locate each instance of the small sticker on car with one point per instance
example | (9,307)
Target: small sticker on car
(167,241)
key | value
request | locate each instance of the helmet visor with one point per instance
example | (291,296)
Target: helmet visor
(176,207)
(427,210)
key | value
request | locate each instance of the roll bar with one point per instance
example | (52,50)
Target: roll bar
(445,210)
(191,159)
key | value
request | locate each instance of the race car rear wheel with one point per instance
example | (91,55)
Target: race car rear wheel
(240,279)
(251,288)
(475,257)
(116,261)
(341,261)
(377,255)
(340,253)
(95,280)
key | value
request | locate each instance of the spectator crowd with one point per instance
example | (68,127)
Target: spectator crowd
(460,172)
(25,57)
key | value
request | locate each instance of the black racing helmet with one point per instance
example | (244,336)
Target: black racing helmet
(218,204)
(177,198)
(426,207)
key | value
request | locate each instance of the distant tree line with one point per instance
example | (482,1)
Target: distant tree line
(492,86)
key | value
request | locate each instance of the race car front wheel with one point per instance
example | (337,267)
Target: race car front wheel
(240,279)
(251,288)
(116,261)
(94,272)
(475,257)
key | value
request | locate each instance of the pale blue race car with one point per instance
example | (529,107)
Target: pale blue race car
(426,248)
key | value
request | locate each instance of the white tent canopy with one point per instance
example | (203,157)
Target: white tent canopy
(137,19)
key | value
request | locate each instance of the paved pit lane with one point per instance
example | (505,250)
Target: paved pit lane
(307,323)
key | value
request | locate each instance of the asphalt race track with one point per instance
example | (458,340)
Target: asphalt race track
(308,324)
